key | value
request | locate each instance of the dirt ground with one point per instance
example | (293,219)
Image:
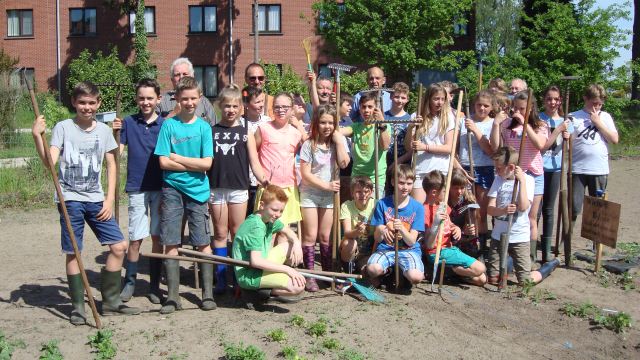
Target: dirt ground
(466,323)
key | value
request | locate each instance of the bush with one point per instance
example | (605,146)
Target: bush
(353,83)
(9,97)
(285,80)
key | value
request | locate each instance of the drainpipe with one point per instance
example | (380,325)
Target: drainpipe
(230,41)
(58,44)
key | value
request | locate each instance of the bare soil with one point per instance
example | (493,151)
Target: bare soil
(465,323)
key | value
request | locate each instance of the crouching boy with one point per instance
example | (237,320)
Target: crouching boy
(471,270)
(270,276)
(409,223)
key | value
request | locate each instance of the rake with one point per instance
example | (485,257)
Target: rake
(306,44)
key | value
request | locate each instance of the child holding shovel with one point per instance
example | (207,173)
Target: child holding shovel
(462,215)
(81,144)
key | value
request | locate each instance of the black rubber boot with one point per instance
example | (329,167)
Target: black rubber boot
(129,281)
(110,289)
(155,267)
(547,268)
(533,246)
(173,303)
(254,299)
(347,266)
(76,293)
(545,241)
(207,287)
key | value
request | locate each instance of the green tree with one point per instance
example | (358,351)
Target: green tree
(401,36)
(7,62)
(496,26)
(123,5)
(141,66)
(286,80)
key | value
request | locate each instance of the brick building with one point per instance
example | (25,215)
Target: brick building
(49,34)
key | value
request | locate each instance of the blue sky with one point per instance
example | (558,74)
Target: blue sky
(625,55)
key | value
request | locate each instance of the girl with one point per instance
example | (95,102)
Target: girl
(552,161)
(253,118)
(234,149)
(462,231)
(480,125)
(498,85)
(435,137)
(278,143)
(537,134)
(317,158)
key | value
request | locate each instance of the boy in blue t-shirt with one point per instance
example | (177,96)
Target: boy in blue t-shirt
(409,223)
(399,99)
(81,144)
(144,185)
(185,148)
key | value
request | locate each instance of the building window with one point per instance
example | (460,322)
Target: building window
(269,18)
(458,28)
(322,23)
(207,77)
(19,23)
(82,22)
(324,71)
(149,20)
(202,19)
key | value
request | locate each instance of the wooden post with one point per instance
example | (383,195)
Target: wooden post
(396,241)
(444,261)
(415,137)
(336,197)
(116,135)
(605,197)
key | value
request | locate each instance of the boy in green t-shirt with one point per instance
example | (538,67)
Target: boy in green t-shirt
(270,276)
(364,142)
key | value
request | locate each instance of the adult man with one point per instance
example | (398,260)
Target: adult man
(169,107)
(324,85)
(375,79)
(516,86)
(254,76)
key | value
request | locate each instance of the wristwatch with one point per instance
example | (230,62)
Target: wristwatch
(382,127)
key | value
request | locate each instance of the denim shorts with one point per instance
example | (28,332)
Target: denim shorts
(141,203)
(539,183)
(174,205)
(308,200)
(108,232)
(407,259)
(484,175)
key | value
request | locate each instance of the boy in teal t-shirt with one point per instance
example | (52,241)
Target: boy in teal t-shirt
(185,148)
(270,272)
(364,143)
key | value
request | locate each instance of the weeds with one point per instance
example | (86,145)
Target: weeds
(51,351)
(238,352)
(544,295)
(583,310)
(102,342)
(331,344)
(527,285)
(317,329)
(5,349)
(350,354)
(632,250)
(626,280)
(298,320)
(604,278)
(617,322)
(277,335)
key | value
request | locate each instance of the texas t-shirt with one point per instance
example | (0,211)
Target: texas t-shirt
(552,158)
(502,190)
(411,216)
(590,149)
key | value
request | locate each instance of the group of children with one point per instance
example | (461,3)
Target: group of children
(241,175)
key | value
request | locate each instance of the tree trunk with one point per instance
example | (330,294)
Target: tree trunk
(635,51)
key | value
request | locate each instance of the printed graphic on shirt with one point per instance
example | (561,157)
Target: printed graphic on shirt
(556,147)
(228,146)
(504,199)
(406,222)
(82,173)
(175,141)
(588,135)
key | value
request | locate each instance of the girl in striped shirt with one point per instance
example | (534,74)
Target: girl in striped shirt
(537,136)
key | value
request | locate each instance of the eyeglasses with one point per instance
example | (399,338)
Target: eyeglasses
(281,108)
(259,78)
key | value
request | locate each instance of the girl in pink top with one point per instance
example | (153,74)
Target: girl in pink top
(278,143)
(537,136)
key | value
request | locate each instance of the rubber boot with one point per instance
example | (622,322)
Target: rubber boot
(207,287)
(110,289)
(533,246)
(129,281)
(235,283)
(325,257)
(173,303)
(309,258)
(347,266)
(155,267)
(76,293)
(221,285)
(484,241)
(547,268)
(545,241)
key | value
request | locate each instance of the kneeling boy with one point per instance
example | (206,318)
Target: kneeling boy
(470,269)
(355,214)
(409,223)
(270,272)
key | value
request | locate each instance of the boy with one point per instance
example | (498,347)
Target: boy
(364,142)
(470,269)
(144,185)
(594,131)
(355,214)
(270,272)
(83,143)
(399,99)
(409,223)
(185,148)
(505,160)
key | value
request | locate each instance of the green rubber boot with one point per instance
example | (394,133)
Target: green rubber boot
(173,302)
(546,248)
(535,265)
(110,289)
(207,287)
(76,293)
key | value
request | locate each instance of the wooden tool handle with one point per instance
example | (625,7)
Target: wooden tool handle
(514,196)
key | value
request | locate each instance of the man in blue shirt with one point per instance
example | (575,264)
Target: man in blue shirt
(375,79)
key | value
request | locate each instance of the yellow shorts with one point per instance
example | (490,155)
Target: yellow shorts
(277,280)
(291,213)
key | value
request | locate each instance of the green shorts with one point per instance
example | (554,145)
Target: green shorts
(454,257)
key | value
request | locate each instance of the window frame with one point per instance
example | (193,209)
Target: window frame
(20,22)
(204,79)
(84,20)
(130,25)
(461,30)
(266,20)
(203,32)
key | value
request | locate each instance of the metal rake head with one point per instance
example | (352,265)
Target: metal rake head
(367,290)
(342,67)
(571,77)
(377,89)
(464,208)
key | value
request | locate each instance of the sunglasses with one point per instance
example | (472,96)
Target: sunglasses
(259,78)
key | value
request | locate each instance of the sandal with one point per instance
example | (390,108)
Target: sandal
(311,285)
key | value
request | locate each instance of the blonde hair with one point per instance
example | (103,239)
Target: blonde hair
(459,178)
(595,91)
(187,83)
(401,88)
(490,95)
(228,94)
(506,155)
(405,171)
(500,84)
(503,102)
(443,114)
(362,180)
(314,137)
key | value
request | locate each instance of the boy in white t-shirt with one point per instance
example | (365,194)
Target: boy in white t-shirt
(594,131)
(500,194)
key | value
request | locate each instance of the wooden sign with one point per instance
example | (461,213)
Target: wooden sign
(600,220)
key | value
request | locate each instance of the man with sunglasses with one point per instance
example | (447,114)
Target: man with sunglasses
(169,107)
(375,79)
(254,76)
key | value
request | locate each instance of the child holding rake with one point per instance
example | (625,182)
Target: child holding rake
(318,156)
(464,233)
